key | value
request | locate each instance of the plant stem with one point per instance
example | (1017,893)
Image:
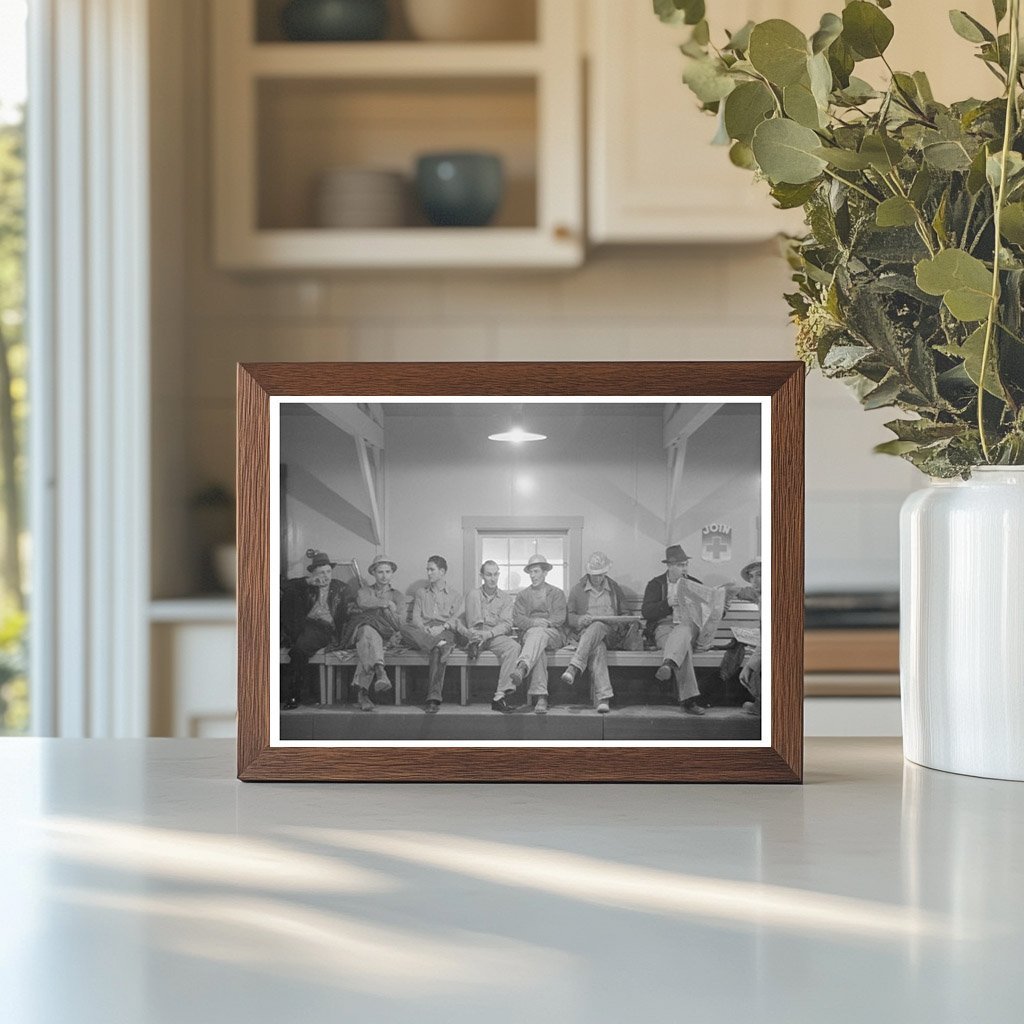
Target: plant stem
(850,184)
(993,308)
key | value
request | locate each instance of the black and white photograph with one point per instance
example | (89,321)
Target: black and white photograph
(489,571)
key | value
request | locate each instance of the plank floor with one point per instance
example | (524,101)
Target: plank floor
(478,722)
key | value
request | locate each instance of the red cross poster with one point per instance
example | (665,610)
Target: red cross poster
(716,543)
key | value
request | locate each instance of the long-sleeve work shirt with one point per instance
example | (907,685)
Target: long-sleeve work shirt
(490,613)
(543,602)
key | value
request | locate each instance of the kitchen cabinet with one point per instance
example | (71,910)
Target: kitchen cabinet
(653,175)
(286,113)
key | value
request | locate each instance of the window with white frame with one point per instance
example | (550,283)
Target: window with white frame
(512,540)
(513,550)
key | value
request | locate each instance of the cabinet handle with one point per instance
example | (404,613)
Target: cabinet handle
(563,232)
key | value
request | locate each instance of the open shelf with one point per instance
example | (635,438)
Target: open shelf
(520,16)
(288,113)
(393,60)
(308,127)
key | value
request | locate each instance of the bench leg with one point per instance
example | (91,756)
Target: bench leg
(323,685)
(398,685)
(464,685)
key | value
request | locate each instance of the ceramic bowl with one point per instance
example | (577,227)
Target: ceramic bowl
(471,20)
(334,20)
(460,189)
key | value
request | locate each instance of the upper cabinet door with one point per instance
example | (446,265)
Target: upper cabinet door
(654,175)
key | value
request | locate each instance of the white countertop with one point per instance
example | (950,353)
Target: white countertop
(143,884)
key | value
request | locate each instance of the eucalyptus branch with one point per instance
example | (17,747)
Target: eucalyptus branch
(855,187)
(993,308)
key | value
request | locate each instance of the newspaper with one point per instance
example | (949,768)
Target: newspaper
(705,607)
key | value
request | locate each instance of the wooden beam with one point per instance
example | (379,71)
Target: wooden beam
(351,420)
(676,462)
(686,421)
(362,448)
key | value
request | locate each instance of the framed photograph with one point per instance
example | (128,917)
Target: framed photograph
(516,572)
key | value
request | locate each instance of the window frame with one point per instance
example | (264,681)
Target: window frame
(473,527)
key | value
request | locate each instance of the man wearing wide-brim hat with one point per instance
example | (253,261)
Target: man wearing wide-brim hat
(379,615)
(313,612)
(596,597)
(539,613)
(669,625)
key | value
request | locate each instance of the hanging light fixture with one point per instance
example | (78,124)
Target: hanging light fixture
(517,433)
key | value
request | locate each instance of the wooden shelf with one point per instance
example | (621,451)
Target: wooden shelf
(401,247)
(852,650)
(392,60)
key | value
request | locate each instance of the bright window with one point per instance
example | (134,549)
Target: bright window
(512,551)
(14,706)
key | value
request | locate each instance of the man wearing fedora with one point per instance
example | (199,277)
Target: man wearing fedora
(671,627)
(377,620)
(489,628)
(436,609)
(539,613)
(313,612)
(597,596)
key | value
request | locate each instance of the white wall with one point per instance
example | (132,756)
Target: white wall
(609,468)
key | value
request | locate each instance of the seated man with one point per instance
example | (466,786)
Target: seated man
(594,597)
(435,620)
(740,671)
(489,628)
(539,612)
(670,626)
(376,620)
(313,612)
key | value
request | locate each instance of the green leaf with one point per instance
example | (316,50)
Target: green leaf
(923,431)
(885,394)
(1011,226)
(971,352)
(829,30)
(745,108)
(820,75)
(708,81)
(676,12)
(785,152)
(968,28)
(921,185)
(841,60)
(844,159)
(778,50)
(976,174)
(701,33)
(896,212)
(924,88)
(999,7)
(858,91)
(1014,169)
(946,156)
(895,447)
(789,197)
(963,281)
(800,105)
(866,29)
(883,153)
(742,155)
(739,41)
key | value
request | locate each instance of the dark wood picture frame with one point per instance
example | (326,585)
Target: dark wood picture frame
(781,761)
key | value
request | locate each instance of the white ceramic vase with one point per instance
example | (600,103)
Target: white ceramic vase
(962,624)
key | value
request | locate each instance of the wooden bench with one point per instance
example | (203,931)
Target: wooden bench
(742,615)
